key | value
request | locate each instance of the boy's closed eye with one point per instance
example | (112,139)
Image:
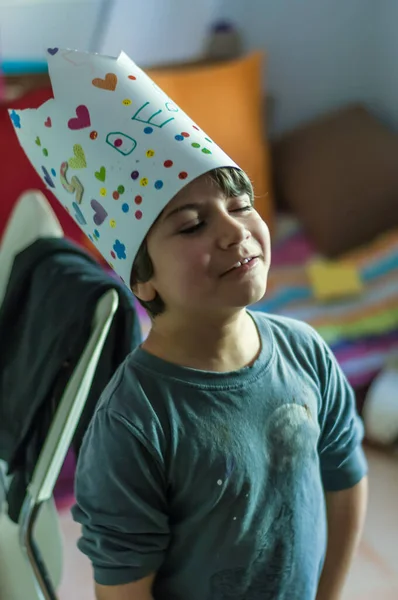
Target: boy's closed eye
(194,228)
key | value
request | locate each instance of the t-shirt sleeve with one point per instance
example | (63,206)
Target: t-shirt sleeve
(342,459)
(120,501)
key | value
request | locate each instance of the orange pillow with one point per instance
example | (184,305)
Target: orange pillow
(226,101)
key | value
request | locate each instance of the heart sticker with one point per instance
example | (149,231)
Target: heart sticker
(48,122)
(37,141)
(79,215)
(100,213)
(52,51)
(109,83)
(101,174)
(47,178)
(82,119)
(79,160)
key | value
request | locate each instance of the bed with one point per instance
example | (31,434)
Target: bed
(362,330)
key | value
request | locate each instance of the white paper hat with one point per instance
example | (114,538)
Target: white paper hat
(113,148)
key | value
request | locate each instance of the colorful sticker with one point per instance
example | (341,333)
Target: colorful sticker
(47,178)
(101,174)
(82,119)
(79,216)
(16,119)
(74,187)
(109,83)
(120,250)
(78,161)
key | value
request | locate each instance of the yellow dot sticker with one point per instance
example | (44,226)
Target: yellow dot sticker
(103,191)
(150,153)
(144,182)
(126,102)
(112,223)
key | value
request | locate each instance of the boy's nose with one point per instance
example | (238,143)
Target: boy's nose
(231,232)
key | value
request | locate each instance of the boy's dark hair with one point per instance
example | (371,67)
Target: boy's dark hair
(232,182)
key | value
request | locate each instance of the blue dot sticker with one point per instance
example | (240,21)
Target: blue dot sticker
(148,130)
(96,233)
(53,171)
(179,138)
(16,119)
(120,250)
(158,184)
(125,208)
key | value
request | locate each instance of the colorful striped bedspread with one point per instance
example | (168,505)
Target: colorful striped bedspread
(362,331)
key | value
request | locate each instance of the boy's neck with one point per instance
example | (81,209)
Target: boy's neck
(211,344)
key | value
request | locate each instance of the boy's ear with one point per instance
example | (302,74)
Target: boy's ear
(144,291)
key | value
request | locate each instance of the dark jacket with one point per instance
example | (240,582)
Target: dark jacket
(45,323)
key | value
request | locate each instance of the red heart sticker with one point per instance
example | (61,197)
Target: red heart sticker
(82,119)
(48,123)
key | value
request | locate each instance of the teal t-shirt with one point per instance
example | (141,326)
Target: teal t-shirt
(215,481)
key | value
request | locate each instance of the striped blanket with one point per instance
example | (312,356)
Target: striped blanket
(362,331)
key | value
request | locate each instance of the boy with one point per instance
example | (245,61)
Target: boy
(205,469)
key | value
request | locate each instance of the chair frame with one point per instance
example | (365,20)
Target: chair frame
(59,439)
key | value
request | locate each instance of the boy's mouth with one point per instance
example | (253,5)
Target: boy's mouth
(239,264)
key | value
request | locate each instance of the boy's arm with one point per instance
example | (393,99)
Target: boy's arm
(346,511)
(138,590)
(344,470)
(122,508)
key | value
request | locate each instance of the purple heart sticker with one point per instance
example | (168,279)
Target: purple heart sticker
(47,178)
(100,213)
(52,51)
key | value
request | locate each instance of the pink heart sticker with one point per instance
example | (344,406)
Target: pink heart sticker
(82,119)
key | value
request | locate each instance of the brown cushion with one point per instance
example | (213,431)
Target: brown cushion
(339,175)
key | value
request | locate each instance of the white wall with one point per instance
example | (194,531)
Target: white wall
(319,52)
(153,32)
(28,27)
(385,88)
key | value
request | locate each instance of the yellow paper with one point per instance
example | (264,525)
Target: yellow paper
(334,279)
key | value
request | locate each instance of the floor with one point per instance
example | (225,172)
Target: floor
(375,570)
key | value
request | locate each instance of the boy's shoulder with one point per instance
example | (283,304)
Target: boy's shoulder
(296,342)
(288,329)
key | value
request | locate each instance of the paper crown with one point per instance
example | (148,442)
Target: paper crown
(113,148)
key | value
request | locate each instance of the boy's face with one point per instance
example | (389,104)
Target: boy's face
(196,246)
